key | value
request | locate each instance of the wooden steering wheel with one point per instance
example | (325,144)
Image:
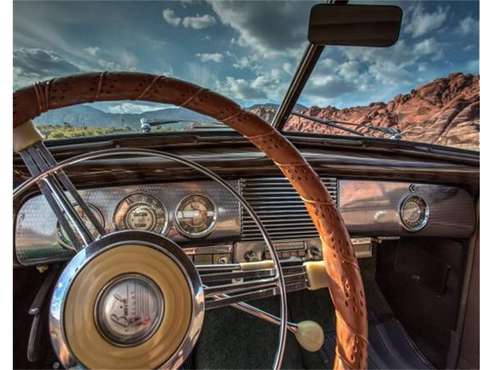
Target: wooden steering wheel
(345,283)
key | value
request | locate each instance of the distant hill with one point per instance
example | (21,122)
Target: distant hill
(85,115)
(267,111)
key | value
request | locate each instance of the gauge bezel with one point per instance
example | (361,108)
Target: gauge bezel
(204,233)
(425,220)
(162,230)
(59,230)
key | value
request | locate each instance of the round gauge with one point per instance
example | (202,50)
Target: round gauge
(62,235)
(414,213)
(141,212)
(196,216)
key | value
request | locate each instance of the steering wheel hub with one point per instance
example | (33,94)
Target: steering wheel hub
(132,299)
(129,309)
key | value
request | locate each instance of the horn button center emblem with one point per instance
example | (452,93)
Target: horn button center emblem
(129,310)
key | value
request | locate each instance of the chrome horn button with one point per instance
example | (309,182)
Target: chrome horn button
(129,310)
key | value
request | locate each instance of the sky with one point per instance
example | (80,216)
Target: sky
(247,51)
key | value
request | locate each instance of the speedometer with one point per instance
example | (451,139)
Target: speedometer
(196,216)
(141,211)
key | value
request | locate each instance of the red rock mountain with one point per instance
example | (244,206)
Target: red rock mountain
(444,111)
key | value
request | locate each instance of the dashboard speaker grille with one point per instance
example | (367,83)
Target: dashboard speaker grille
(279,207)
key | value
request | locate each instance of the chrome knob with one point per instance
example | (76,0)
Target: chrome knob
(251,256)
(129,310)
(315,252)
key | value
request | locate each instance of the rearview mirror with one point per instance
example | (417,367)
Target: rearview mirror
(354,25)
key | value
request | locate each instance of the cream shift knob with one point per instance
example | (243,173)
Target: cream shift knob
(310,335)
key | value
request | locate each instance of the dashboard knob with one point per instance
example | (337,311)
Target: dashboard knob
(315,252)
(251,256)
(222,260)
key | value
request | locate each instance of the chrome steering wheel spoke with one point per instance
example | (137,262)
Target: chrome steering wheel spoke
(62,197)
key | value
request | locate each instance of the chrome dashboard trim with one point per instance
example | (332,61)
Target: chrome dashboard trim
(37,240)
(371,208)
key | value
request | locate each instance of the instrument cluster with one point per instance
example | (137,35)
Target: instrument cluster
(186,212)
(195,215)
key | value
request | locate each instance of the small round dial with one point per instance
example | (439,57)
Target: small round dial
(141,212)
(414,213)
(196,216)
(62,235)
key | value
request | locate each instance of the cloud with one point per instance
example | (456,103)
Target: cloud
(429,47)
(288,68)
(390,74)
(210,57)
(199,74)
(245,62)
(240,88)
(349,70)
(93,50)
(419,22)
(328,86)
(117,60)
(131,108)
(199,22)
(170,17)
(468,25)
(275,27)
(266,85)
(33,64)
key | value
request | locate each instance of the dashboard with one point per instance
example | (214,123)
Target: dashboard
(209,223)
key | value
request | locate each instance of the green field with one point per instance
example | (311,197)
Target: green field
(66,131)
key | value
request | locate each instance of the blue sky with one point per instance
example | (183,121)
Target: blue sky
(244,50)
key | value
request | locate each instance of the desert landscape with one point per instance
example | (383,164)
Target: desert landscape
(444,111)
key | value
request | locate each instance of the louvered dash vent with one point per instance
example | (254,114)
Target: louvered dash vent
(279,207)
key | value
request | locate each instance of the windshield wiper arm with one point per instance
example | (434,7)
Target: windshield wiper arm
(327,123)
(394,133)
(147,124)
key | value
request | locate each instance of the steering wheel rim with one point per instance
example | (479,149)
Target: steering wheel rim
(345,283)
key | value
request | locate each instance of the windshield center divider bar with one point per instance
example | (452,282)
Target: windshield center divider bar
(303,72)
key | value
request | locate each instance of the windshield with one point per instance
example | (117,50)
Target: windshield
(425,88)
